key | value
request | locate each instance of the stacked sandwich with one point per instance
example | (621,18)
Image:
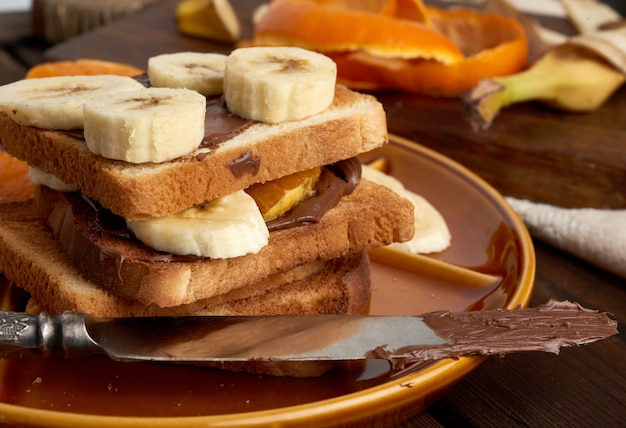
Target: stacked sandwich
(228,185)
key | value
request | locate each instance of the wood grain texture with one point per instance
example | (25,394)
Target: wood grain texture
(530,151)
(582,387)
(19,49)
(572,160)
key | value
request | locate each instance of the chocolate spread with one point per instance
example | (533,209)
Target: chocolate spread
(220,124)
(247,163)
(105,230)
(545,328)
(94,238)
(335,182)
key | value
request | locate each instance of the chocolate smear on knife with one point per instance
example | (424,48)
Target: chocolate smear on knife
(545,328)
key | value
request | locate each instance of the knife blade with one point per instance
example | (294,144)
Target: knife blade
(295,338)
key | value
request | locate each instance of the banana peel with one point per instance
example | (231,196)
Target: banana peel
(578,75)
(590,16)
(209,19)
(610,45)
(567,78)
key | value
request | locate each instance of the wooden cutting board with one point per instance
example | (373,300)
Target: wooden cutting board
(530,151)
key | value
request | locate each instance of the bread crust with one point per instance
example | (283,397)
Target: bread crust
(339,286)
(372,216)
(30,257)
(355,123)
(319,268)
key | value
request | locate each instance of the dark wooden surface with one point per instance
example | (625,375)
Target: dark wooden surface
(530,152)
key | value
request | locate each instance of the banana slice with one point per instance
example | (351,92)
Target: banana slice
(148,125)
(42,178)
(229,226)
(57,102)
(278,84)
(202,72)
(431,231)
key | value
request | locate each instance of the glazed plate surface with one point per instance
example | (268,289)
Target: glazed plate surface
(487,238)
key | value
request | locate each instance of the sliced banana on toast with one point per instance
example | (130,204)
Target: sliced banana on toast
(226,227)
(147,125)
(202,72)
(431,231)
(57,102)
(278,84)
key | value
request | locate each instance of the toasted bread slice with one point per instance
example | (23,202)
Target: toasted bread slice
(353,124)
(30,257)
(372,216)
(338,286)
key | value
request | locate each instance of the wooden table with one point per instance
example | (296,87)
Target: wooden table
(530,152)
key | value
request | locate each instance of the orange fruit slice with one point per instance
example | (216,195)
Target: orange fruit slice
(14,183)
(82,67)
(276,197)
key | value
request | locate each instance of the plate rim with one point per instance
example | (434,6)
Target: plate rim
(394,397)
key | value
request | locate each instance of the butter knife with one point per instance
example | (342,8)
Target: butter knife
(294,338)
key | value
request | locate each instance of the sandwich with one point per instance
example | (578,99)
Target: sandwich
(221,185)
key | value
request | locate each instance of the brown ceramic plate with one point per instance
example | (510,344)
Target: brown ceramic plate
(487,237)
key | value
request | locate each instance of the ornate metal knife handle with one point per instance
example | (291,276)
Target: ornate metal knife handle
(22,335)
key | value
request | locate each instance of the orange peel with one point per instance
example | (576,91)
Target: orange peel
(316,26)
(14,183)
(84,66)
(445,52)
(413,10)
(384,7)
(498,54)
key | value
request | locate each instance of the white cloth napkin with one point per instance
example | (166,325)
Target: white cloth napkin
(15,5)
(595,235)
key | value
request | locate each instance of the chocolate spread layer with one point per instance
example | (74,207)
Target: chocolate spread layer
(247,163)
(545,328)
(220,125)
(335,182)
(96,237)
